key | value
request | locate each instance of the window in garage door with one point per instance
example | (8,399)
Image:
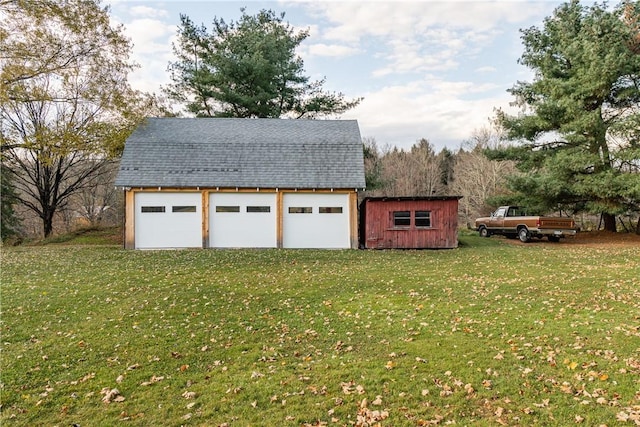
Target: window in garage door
(300,210)
(183,209)
(227,209)
(258,209)
(152,209)
(331,210)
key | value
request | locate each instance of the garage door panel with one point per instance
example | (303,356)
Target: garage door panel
(168,220)
(313,220)
(242,220)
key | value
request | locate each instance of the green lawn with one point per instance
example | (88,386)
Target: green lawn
(487,334)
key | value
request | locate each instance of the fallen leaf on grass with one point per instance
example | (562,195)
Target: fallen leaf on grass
(153,380)
(189,394)
(367,417)
(111,395)
(544,404)
(433,422)
(570,364)
(351,387)
(85,378)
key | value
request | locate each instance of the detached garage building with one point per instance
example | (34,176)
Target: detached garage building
(231,183)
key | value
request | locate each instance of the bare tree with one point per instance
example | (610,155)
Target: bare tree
(97,203)
(417,172)
(65,104)
(476,178)
(427,168)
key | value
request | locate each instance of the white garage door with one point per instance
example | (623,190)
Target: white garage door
(242,220)
(313,220)
(168,220)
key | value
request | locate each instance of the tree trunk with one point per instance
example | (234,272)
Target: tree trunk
(609,222)
(638,227)
(47,222)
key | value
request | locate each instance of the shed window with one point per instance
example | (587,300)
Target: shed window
(231,209)
(152,209)
(423,219)
(258,209)
(402,219)
(331,210)
(179,209)
(300,210)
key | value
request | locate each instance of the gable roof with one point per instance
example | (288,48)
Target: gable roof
(247,153)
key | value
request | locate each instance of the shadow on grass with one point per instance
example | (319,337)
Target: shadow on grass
(471,239)
(85,236)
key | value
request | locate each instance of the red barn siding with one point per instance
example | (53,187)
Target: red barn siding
(377,230)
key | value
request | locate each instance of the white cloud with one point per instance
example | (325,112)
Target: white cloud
(437,110)
(334,50)
(148,12)
(151,36)
(356,20)
(420,36)
(486,69)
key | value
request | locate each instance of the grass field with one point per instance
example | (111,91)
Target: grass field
(487,334)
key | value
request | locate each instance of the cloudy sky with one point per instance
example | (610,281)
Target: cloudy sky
(426,69)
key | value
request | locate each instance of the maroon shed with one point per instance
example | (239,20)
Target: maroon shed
(409,222)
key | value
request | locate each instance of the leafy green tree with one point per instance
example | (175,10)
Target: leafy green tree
(65,104)
(578,132)
(372,164)
(9,222)
(247,68)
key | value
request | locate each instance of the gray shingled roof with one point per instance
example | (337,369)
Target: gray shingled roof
(247,153)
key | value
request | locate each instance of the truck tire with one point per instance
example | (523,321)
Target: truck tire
(524,235)
(483,232)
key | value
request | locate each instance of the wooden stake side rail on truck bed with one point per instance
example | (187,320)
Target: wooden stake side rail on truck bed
(513,222)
